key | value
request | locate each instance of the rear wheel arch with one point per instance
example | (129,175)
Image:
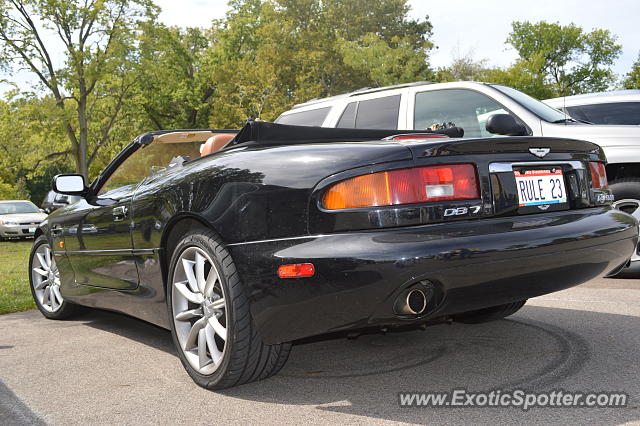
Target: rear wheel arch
(172,234)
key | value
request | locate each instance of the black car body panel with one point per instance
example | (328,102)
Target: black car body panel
(472,265)
(262,197)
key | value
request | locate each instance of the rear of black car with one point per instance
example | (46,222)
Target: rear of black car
(468,223)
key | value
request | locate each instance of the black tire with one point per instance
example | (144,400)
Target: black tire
(626,194)
(489,314)
(628,188)
(66,309)
(245,357)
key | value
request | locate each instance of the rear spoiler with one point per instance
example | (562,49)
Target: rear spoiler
(262,132)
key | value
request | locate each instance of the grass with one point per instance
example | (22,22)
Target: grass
(15,294)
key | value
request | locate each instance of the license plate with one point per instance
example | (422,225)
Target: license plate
(537,187)
(32,230)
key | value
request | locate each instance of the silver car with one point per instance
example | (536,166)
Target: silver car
(19,218)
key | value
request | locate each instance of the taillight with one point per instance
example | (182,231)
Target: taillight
(598,175)
(405,186)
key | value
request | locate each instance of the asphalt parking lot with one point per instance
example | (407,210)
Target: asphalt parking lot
(104,368)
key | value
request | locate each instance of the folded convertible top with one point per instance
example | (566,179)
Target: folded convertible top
(267,133)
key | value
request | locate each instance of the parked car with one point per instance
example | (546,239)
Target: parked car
(243,243)
(617,107)
(19,218)
(53,201)
(482,110)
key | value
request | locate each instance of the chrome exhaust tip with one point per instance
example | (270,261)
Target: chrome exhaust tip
(414,303)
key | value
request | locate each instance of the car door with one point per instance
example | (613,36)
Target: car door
(97,238)
(97,229)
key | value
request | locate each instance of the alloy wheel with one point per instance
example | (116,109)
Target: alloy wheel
(46,279)
(199,310)
(632,207)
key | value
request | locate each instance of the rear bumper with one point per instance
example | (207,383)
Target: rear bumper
(473,264)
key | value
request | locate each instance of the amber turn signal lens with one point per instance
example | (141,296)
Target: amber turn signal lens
(296,270)
(598,175)
(405,186)
(61,244)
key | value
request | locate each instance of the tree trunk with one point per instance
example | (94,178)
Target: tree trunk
(81,157)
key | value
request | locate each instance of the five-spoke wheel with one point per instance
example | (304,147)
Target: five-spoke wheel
(44,278)
(199,310)
(210,319)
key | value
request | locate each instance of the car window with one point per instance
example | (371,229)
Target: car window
(18,207)
(608,113)
(465,108)
(146,161)
(536,107)
(314,117)
(348,118)
(379,113)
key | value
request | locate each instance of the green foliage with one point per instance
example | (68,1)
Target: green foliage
(90,88)
(124,73)
(385,62)
(272,54)
(8,191)
(463,68)
(632,79)
(567,59)
(522,75)
(174,70)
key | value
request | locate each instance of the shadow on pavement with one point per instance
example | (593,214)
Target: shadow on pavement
(594,352)
(129,327)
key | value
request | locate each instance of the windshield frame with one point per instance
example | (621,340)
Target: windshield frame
(28,203)
(544,112)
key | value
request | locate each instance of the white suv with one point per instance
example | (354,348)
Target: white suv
(482,110)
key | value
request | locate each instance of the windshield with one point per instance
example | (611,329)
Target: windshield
(543,111)
(18,207)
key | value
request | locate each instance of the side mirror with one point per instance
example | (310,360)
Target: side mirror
(69,184)
(505,124)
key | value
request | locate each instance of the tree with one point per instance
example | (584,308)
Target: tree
(568,59)
(464,67)
(174,72)
(290,51)
(524,76)
(632,80)
(91,87)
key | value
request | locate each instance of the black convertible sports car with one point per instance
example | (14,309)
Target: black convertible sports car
(241,242)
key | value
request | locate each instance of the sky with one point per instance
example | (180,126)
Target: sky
(480,27)
(461,27)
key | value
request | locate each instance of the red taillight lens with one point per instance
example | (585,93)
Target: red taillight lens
(598,175)
(405,186)
(296,270)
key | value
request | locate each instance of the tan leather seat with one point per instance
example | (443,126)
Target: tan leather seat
(216,143)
